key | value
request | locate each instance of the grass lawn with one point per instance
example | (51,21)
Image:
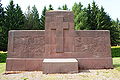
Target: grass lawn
(116,63)
(2,67)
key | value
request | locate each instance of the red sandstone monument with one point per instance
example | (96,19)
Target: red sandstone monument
(59,48)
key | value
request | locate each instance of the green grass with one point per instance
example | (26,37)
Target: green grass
(2,67)
(116,63)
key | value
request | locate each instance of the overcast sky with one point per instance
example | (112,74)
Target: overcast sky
(112,7)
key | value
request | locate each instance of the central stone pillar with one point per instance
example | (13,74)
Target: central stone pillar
(58,32)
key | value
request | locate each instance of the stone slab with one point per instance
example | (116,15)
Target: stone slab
(60,66)
(95,63)
(24,64)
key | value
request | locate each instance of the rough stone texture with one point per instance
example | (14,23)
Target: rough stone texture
(60,66)
(59,26)
(59,40)
(24,64)
(26,44)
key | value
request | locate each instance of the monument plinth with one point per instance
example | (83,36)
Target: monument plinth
(28,48)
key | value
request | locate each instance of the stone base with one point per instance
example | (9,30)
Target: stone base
(24,64)
(60,66)
(95,63)
(35,64)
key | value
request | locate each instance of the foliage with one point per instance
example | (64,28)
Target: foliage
(64,7)
(95,18)
(2,21)
(115,51)
(32,20)
(13,20)
(115,32)
(36,21)
(3,57)
(80,16)
(42,19)
(91,17)
(50,7)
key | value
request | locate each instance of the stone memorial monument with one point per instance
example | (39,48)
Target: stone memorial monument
(59,48)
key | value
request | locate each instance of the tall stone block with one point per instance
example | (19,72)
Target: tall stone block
(59,38)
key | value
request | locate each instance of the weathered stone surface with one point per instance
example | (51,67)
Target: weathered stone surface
(26,44)
(60,66)
(24,64)
(95,63)
(92,43)
(28,48)
(58,33)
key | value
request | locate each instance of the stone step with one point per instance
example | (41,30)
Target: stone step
(68,65)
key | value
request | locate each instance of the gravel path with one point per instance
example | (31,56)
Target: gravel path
(110,74)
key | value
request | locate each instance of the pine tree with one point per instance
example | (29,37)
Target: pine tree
(115,32)
(80,16)
(50,7)
(14,20)
(42,19)
(93,18)
(20,18)
(59,8)
(28,19)
(64,7)
(89,21)
(2,16)
(32,21)
(2,22)
(36,19)
(94,12)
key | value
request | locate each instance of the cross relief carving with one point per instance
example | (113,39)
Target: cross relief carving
(59,26)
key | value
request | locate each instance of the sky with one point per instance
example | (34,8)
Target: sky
(112,7)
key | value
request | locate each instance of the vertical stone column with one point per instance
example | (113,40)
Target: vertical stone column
(59,29)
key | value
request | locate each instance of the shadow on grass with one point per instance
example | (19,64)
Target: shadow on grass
(117,66)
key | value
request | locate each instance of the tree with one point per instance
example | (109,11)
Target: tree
(20,18)
(2,16)
(2,22)
(42,19)
(59,8)
(94,18)
(32,18)
(115,32)
(28,19)
(36,19)
(14,20)
(80,16)
(64,7)
(98,19)
(50,7)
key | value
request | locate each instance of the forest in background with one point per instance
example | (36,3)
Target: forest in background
(91,17)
